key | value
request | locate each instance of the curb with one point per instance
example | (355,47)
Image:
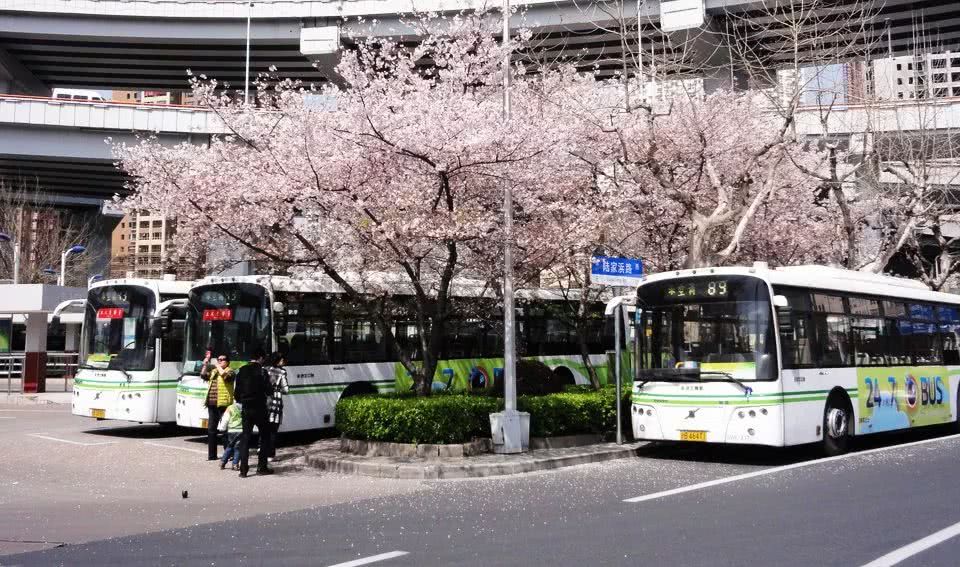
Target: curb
(433,470)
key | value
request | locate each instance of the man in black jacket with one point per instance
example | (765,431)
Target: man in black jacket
(251,390)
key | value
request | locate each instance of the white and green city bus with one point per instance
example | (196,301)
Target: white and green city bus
(793,355)
(131,350)
(333,350)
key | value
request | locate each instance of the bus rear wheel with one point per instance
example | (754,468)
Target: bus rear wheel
(837,419)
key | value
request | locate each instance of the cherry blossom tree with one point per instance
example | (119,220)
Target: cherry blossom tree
(389,184)
(719,174)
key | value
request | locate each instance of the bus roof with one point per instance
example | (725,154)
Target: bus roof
(461,287)
(822,277)
(159,286)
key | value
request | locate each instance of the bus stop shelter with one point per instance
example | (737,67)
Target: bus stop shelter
(35,303)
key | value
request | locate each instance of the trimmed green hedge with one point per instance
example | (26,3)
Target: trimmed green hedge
(440,418)
(458,418)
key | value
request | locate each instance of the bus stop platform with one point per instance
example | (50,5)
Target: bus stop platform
(325,456)
(34,303)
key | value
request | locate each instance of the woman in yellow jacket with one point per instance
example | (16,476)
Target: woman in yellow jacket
(219,396)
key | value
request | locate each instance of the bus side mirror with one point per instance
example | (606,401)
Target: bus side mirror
(780,301)
(160,325)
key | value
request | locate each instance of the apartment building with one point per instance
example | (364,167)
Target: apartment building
(142,246)
(930,75)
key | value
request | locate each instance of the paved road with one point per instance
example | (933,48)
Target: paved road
(68,479)
(782,508)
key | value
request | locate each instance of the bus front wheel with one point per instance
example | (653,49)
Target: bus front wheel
(837,423)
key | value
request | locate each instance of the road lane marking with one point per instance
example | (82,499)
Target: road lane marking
(775,470)
(371,559)
(152,444)
(909,550)
(48,438)
(7,417)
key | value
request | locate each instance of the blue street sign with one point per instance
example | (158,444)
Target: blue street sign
(608,270)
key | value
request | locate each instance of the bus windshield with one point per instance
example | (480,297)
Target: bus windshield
(117,328)
(706,329)
(230,319)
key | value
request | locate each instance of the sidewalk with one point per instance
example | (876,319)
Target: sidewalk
(16,398)
(325,456)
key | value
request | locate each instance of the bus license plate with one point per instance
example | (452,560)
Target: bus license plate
(693,435)
(203,423)
(98,413)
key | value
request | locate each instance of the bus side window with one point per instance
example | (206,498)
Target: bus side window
(949,322)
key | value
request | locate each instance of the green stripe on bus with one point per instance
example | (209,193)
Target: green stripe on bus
(743,402)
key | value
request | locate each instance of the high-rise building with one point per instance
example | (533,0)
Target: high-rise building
(142,247)
(929,75)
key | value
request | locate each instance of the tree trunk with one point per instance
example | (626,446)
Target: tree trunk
(585,358)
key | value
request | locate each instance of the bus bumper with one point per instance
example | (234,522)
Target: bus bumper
(120,402)
(747,424)
(191,403)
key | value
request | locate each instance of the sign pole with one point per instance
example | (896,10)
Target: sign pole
(616,326)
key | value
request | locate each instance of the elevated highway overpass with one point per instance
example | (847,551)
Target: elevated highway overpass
(148,44)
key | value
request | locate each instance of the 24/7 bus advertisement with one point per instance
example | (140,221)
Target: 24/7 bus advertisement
(899,397)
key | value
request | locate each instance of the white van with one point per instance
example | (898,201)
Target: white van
(78,94)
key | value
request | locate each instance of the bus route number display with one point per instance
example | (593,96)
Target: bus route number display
(709,288)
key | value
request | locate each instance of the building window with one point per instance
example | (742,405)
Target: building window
(938,63)
(955,62)
(157,224)
(157,235)
(899,68)
(899,80)
(940,93)
(910,80)
(123,237)
(910,66)
(144,224)
(155,248)
(940,78)
(144,235)
(955,77)
(956,91)
(900,95)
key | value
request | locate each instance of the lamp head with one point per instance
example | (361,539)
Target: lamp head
(4,237)
(49,271)
(77,249)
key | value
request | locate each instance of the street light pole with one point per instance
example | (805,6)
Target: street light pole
(509,344)
(75,249)
(510,428)
(246,71)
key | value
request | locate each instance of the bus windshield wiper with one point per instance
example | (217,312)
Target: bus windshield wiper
(728,378)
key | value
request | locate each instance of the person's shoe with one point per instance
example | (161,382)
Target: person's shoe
(214,458)
(243,474)
(223,465)
(236,467)
(264,471)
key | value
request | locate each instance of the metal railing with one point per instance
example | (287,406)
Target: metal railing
(59,365)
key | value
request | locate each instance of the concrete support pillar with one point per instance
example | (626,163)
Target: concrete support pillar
(35,359)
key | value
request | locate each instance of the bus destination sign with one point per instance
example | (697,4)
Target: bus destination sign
(698,289)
